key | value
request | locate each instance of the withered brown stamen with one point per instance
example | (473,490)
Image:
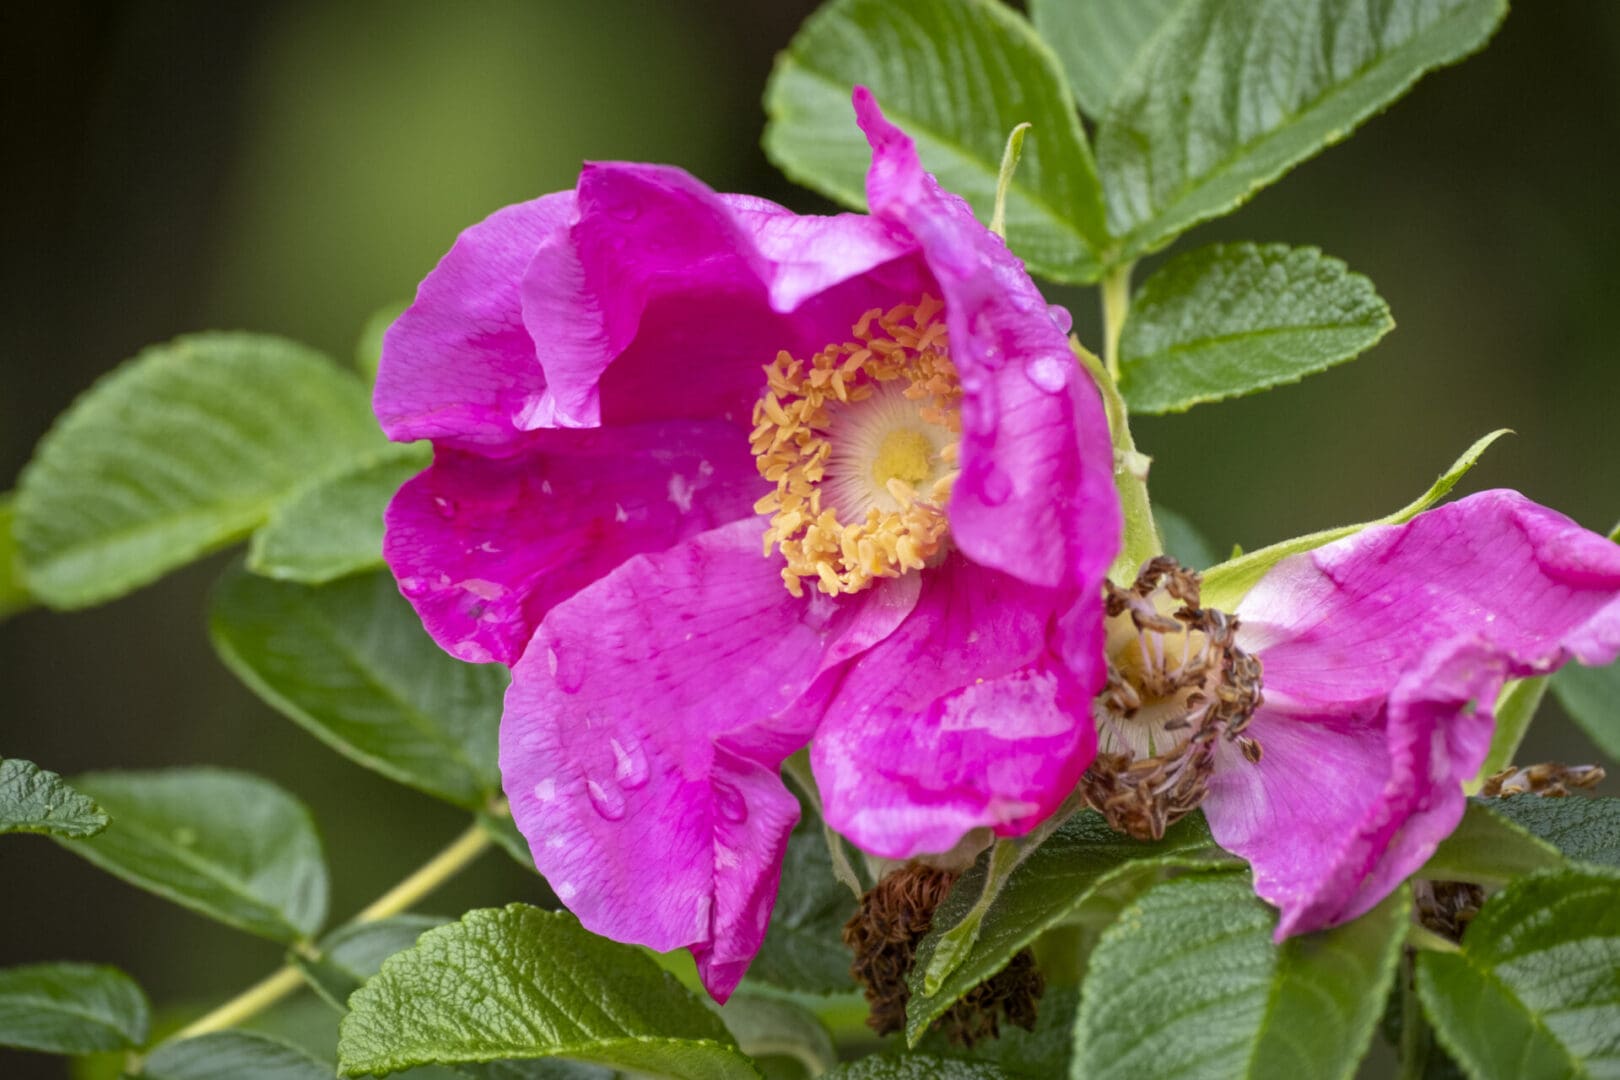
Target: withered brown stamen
(1447,907)
(1177,682)
(892,919)
(1551,779)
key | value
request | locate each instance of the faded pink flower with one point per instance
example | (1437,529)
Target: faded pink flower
(713,478)
(1379,659)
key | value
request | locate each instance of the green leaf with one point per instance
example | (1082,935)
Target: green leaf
(1490,848)
(1516,706)
(368,347)
(350,955)
(1098,41)
(1592,697)
(519,983)
(1586,830)
(333,527)
(1533,991)
(226,844)
(36,800)
(917,1067)
(183,450)
(232,1055)
(541,1069)
(1225,585)
(1232,319)
(1188,983)
(14,595)
(351,663)
(71,1009)
(1182,540)
(1050,886)
(1231,94)
(957,75)
(803,948)
(773,1027)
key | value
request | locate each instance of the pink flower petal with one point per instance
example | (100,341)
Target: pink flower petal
(1036,496)
(483,547)
(1381,654)
(458,367)
(666,300)
(958,720)
(644,730)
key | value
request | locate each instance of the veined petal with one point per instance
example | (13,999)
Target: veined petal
(483,547)
(1382,654)
(458,366)
(1036,495)
(666,300)
(643,733)
(958,720)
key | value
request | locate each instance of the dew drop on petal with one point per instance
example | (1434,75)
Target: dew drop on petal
(447,507)
(546,790)
(1061,317)
(607,798)
(566,891)
(629,762)
(1050,373)
(728,802)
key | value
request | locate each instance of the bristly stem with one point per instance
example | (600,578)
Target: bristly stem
(429,876)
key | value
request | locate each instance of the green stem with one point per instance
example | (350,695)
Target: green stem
(1009,165)
(429,876)
(1116,304)
(1141,540)
(1426,940)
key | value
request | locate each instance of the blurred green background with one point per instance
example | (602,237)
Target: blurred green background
(291,167)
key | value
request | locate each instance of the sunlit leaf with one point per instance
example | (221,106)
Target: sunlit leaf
(957,75)
(518,983)
(1233,319)
(333,527)
(1098,41)
(1234,93)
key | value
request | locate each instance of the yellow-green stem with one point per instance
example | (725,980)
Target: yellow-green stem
(429,876)
(1116,303)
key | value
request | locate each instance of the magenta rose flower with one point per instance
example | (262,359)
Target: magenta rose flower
(714,478)
(1328,730)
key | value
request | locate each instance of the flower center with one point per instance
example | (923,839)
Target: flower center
(1177,681)
(861,443)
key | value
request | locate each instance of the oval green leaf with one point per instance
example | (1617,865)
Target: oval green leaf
(957,75)
(71,1009)
(1489,847)
(1233,93)
(521,983)
(1098,41)
(1048,887)
(180,451)
(1233,319)
(36,800)
(1188,983)
(334,527)
(350,663)
(1534,990)
(226,844)
(232,1055)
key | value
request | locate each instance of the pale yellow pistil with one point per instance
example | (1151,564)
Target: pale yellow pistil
(861,443)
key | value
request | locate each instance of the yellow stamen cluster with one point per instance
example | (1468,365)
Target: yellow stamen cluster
(902,486)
